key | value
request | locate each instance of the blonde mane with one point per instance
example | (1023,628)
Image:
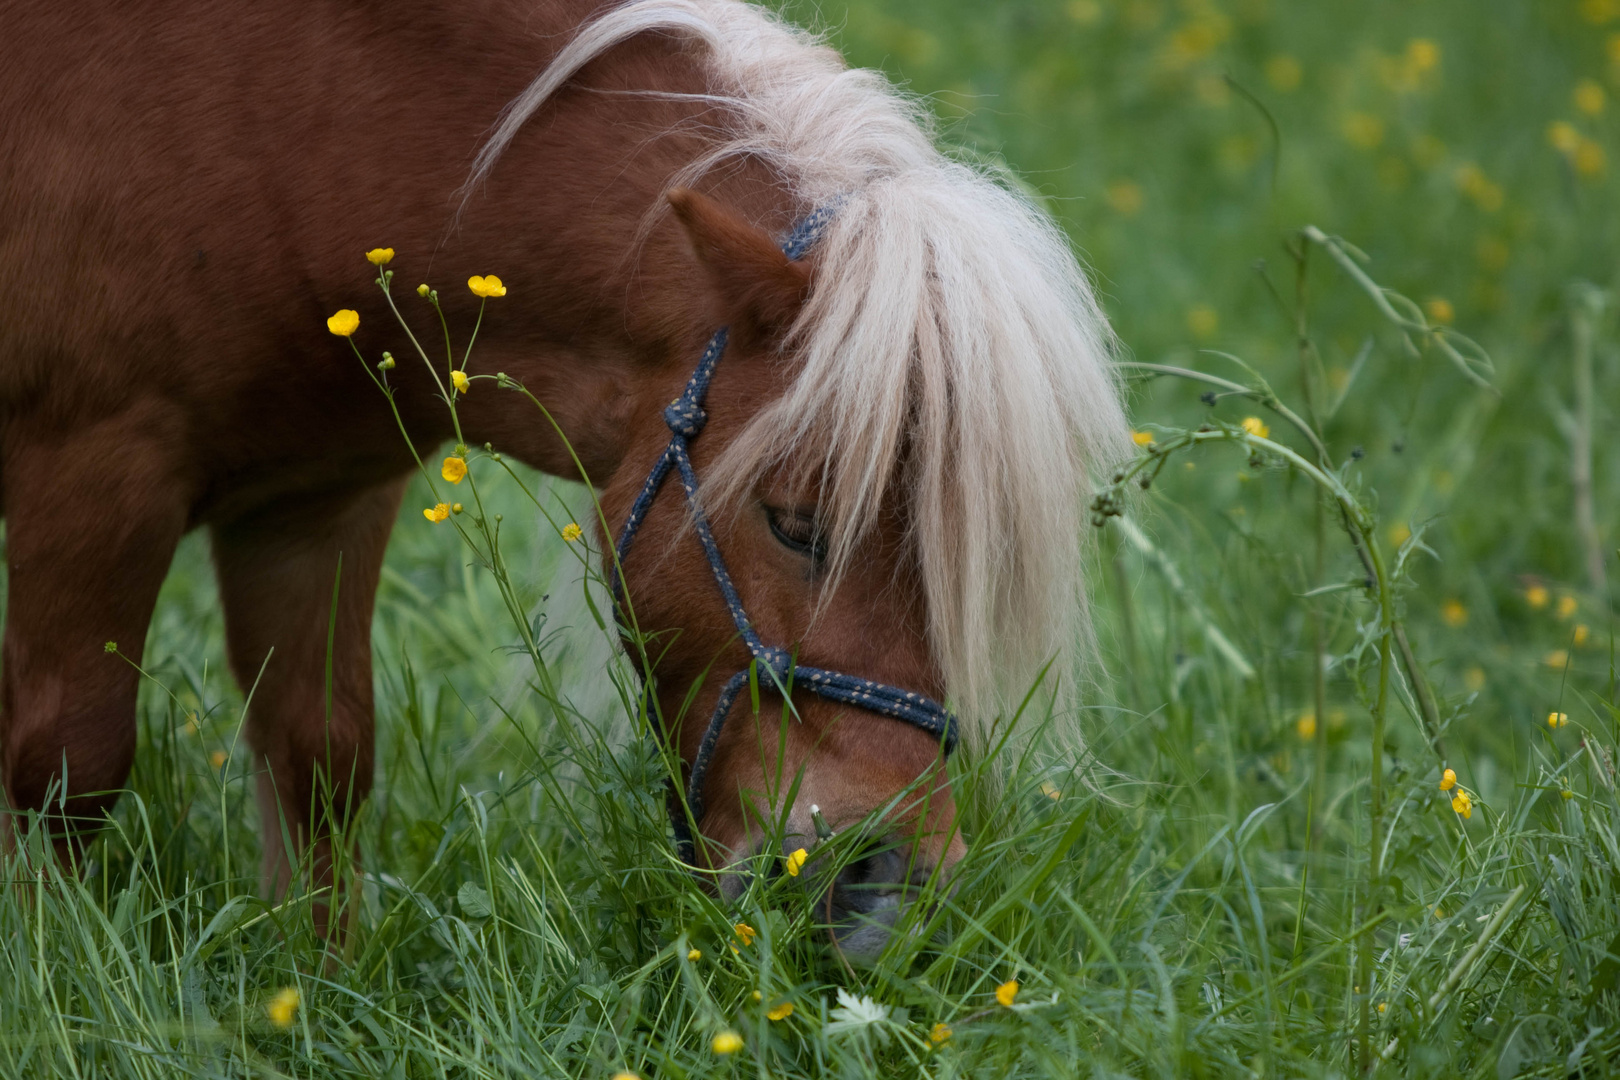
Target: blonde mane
(951,344)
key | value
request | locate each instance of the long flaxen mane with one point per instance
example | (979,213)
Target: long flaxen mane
(951,344)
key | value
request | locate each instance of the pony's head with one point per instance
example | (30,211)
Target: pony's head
(897,452)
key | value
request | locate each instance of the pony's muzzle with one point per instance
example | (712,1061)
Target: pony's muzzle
(873,895)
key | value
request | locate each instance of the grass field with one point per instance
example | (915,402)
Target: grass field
(1229,903)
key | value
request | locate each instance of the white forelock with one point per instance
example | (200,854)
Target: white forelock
(951,345)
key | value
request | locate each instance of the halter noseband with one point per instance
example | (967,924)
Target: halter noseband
(686,417)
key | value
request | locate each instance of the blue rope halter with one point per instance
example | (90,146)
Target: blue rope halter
(686,417)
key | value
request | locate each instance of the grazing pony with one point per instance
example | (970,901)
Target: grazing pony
(898,438)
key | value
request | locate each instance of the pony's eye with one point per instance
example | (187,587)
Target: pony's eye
(799,532)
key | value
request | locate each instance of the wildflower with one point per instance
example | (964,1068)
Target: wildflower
(1125,198)
(1006,992)
(1284,73)
(486,287)
(217,759)
(283,1006)
(1382,1005)
(1589,158)
(1050,790)
(344,322)
(1474,678)
(780,1012)
(1440,310)
(1142,438)
(1492,253)
(795,862)
(1556,720)
(1306,726)
(1567,794)
(455,508)
(572,532)
(694,955)
(1563,137)
(1422,55)
(727,1042)
(437,512)
(422,290)
(1363,130)
(1454,613)
(625,1076)
(1448,780)
(380,256)
(1472,182)
(459,380)
(1202,322)
(745,933)
(939,1034)
(1598,12)
(1400,533)
(1581,634)
(1558,659)
(1589,97)
(1536,596)
(1567,606)
(1463,805)
(1256,427)
(454,469)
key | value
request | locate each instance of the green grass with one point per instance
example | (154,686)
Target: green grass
(1215,913)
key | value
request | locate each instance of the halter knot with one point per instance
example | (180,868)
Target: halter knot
(779,661)
(685,417)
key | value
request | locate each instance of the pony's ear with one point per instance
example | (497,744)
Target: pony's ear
(761,289)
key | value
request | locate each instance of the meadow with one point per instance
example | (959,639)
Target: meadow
(1353,809)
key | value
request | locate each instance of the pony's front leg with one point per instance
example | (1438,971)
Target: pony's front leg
(93,514)
(298,581)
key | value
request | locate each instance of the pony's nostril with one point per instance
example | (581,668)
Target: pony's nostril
(860,885)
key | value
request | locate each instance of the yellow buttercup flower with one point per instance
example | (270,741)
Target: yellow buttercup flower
(1563,136)
(1439,310)
(1448,780)
(1256,426)
(1589,97)
(572,532)
(1284,72)
(694,954)
(1463,805)
(1567,794)
(781,1012)
(1474,678)
(1536,596)
(1556,720)
(745,933)
(422,290)
(625,1076)
(795,862)
(1454,613)
(283,1006)
(727,1042)
(1306,726)
(1006,992)
(486,287)
(1400,533)
(437,512)
(455,508)
(1051,790)
(1142,438)
(939,1033)
(1581,634)
(380,256)
(454,469)
(1202,321)
(217,759)
(1558,659)
(1567,606)
(344,323)
(459,380)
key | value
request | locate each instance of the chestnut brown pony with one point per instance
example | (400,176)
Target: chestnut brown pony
(899,436)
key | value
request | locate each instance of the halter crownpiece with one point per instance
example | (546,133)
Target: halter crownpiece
(685,418)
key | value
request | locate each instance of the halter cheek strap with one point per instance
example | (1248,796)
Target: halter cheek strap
(685,417)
